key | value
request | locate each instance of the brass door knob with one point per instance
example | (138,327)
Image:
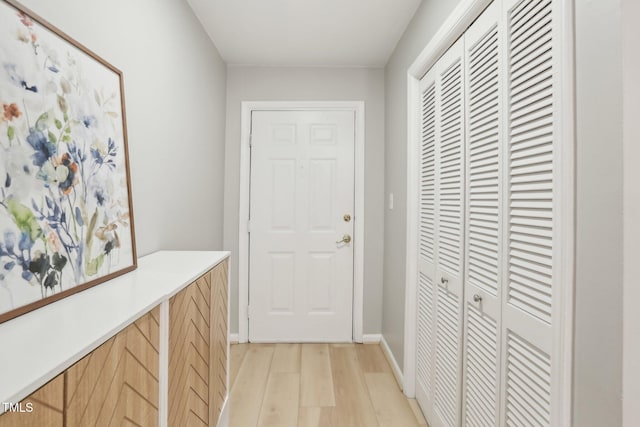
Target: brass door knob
(345,239)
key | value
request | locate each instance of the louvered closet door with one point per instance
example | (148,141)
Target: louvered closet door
(483,243)
(427,248)
(450,224)
(530,306)
(441,240)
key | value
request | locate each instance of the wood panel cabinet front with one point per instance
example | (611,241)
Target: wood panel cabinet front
(198,350)
(117,384)
(219,343)
(189,338)
(44,407)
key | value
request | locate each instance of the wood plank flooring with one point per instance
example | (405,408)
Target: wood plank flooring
(316,385)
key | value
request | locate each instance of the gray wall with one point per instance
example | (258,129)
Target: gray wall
(631,93)
(175,89)
(313,84)
(598,316)
(425,23)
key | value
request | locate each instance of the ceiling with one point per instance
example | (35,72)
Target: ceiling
(361,33)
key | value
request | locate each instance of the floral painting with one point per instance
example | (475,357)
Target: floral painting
(65,207)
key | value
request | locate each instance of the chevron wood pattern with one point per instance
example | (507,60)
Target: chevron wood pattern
(198,350)
(117,384)
(189,355)
(48,407)
(219,318)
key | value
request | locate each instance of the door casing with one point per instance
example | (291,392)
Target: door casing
(245,187)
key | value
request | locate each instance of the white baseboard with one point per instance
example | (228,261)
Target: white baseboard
(371,338)
(397,372)
(234,338)
(223,421)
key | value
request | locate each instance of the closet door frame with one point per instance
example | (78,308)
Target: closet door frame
(455,26)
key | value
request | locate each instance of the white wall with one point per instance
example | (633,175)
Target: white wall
(598,316)
(423,26)
(313,84)
(631,292)
(175,89)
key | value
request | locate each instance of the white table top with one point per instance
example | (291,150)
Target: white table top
(39,345)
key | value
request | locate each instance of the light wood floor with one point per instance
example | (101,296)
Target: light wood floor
(316,385)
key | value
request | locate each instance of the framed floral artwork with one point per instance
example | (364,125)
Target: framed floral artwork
(66,218)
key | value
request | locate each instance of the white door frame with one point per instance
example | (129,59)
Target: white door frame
(245,185)
(453,28)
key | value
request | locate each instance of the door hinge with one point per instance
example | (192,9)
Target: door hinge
(250,140)
(248,312)
(248,226)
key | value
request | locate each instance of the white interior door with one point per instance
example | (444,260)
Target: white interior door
(301,226)
(441,260)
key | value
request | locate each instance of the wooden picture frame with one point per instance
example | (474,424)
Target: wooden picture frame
(66,212)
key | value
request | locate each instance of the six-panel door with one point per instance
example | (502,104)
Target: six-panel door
(301,252)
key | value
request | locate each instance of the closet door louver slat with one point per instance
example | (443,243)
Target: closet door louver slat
(446,401)
(427,234)
(483,243)
(450,170)
(450,138)
(440,240)
(481,389)
(428,175)
(425,334)
(427,205)
(528,304)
